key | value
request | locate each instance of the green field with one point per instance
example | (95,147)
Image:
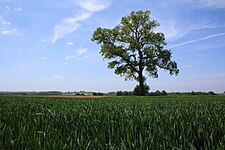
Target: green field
(171,122)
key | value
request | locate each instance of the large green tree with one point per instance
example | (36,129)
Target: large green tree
(135,49)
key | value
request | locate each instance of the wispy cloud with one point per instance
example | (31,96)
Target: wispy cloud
(69,43)
(4,22)
(78,53)
(44,58)
(68,25)
(81,51)
(57,76)
(45,41)
(206,3)
(6,27)
(8,31)
(205,54)
(7,8)
(18,9)
(191,65)
(213,3)
(71,24)
(87,56)
(173,30)
(197,40)
(93,5)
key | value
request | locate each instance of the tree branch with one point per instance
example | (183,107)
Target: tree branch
(125,59)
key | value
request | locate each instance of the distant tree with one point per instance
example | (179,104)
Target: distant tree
(94,94)
(77,94)
(163,93)
(124,93)
(211,93)
(111,94)
(134,48)
(100,94)
(157,93)
(119,93)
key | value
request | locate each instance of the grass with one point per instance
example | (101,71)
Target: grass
(171,122)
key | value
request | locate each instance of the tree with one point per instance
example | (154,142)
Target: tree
(163,93)
(157,93)
(134,48)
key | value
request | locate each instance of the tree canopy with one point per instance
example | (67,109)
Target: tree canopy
(133,47)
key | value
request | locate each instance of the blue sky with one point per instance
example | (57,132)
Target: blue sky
(46,44)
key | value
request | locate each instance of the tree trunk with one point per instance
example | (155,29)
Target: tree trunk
(141,84)
(141,78)
(140,75)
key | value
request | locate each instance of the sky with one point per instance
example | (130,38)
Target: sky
(46,44)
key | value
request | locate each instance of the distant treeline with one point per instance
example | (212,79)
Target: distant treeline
(97,94)
(118,93)
(82,93)
(164,93)
(32,93)
(194,93)
(131,93)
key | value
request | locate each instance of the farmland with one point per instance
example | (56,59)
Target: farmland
(170,122)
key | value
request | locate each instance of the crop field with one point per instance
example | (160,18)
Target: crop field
(170,122)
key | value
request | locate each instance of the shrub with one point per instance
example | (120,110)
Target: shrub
(137,89)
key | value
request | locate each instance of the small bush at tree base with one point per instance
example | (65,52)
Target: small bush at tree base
(137,90)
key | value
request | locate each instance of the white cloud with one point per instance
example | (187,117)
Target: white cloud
(6,27)
(7,8)
(18,9)
(188,66)
(170,29)
(69,57)
(173,30)
(81,51)
(191,65)
(45,41)
(198,40)
(93,5)
(204,54)
(68,25)
(44,58)
(4,22)
(69,43)
(213,3)
(78,53)
(8,31)
(57,76)
(87,56)
(207,3)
